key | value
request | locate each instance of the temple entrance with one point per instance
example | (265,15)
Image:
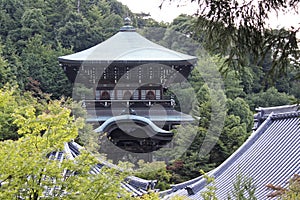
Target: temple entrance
(128,146)
(134,140)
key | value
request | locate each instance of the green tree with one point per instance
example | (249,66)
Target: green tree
(112,24)
(154,171)
(41,62)
(143,20)
(233,86)
(240,108)
(233,135)
(232,132)
(188,160)
(33,22)
(258,75)
(11,99)
(17,72)
(190,141)
(75,32)
(7,105)
(210,193)
(269,98)
(118,8)
(11,13)
(5,71)
(56,11)
(26,170)
(243,189)
(237,29)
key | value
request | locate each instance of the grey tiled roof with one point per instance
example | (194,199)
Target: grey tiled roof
(270,155)
(134,185)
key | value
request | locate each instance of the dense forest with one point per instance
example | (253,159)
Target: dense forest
(33,34)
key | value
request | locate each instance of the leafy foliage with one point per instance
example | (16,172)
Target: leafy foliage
(35,33)
(243,189)
(26,169)
(210,193)
(7,105)
(154,171)
(237,29)
(271,97)
(6,72)
(41,62)
(289,193)
(150,196)
(239,107)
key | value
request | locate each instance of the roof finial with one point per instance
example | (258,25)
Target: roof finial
(127,21)
(127,25)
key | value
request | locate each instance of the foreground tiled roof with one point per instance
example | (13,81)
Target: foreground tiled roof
(271,155)
(134,185)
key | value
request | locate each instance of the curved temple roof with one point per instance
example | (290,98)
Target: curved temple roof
(271,155)
(127,46)
(130,118)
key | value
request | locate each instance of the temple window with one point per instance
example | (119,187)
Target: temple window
(150,95)
(105,95)
(127,95)
(115,74)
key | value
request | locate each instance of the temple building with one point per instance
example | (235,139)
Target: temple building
(130,77)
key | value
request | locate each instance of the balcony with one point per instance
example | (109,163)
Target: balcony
(94,104)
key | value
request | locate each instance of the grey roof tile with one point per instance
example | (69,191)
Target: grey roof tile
(270,155)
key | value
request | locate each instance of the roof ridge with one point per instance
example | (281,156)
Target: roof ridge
(200,184)
(285,115)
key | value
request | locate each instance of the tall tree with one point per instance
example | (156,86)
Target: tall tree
(41,62)
(270,97)
(237,29)
(239,107)
(74,32)
(5,71)
(7,105)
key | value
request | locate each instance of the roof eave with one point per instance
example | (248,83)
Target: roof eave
(167,62)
